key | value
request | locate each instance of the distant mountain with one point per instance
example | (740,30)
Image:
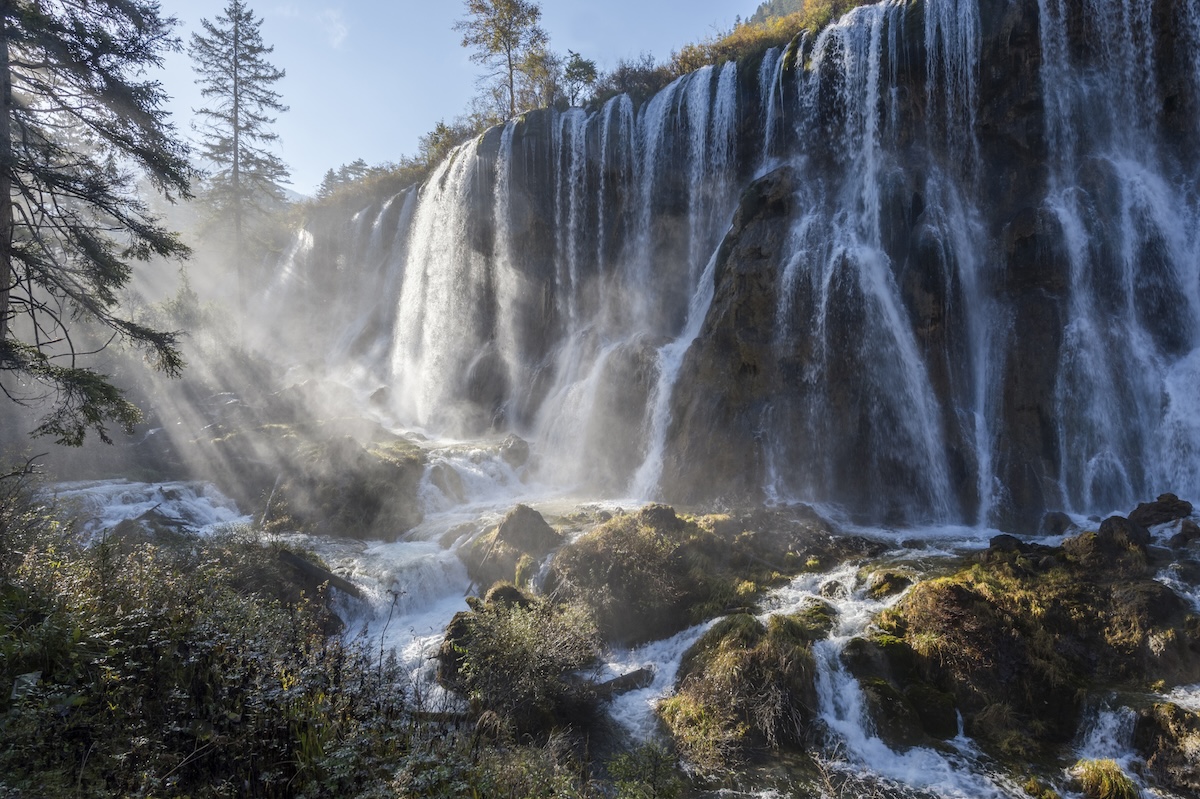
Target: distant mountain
(776,8)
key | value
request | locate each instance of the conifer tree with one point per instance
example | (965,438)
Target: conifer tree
(80,125)
(232,70)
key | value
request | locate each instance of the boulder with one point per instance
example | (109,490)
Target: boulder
(1167,508)
(525,529)
(1189,531)
(888,583)
(1168,738)
(1123,533)
(515,451)
(1055,523)
(499,554)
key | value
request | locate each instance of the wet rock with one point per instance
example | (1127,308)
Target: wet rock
(1167,508)
(1168,738)
(380,397)
(515,451)
(447,480)
(1123,533)
(1004,543)
(894,717)
(905,710)
(888,583)
(498,554)
(1055,523)
(1189,531)
(634,680)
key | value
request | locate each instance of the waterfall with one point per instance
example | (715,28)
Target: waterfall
(1130,224)
(567,277)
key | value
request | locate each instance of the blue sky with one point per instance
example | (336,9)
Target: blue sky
(366,78)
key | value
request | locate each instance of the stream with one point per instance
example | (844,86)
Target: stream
(413,587)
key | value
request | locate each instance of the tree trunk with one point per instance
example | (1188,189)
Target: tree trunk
(7,276)
(512,91)
(235,177)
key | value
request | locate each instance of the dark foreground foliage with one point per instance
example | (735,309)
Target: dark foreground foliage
(158,663)
(180,668)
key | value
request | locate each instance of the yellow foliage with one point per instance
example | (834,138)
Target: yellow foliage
(749,38)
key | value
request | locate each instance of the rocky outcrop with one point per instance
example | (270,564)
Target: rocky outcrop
(730,374)
(1168,738)
(1019,640)
(512,549)
(1166,509)
(337,477)
(648,575)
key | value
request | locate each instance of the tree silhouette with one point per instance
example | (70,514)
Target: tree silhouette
(80,125)
(236,136)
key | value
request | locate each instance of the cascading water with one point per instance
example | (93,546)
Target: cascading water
(545,279)
(1129,213)
(839,295)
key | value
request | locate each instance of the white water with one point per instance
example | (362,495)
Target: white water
(1131,225)
(103,504)
(414,587)
(641,199)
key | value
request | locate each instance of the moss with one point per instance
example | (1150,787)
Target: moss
(653,573)
(1038,789)
(1167,737)
(743,684)
(1065,619)
(1104,779)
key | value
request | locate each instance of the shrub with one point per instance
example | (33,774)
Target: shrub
(742,682)
(514,656)
(187,669)
(1104,779)
(647,772)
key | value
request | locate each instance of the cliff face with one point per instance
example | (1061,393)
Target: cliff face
(939,263)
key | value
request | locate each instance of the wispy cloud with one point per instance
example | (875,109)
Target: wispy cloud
(335,26)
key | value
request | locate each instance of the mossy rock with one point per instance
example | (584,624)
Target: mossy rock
(935,709)
(651,574)
(646,575)
(895,719)
(1168,738)
(1018,639)
(886,584)
(523,537)
(744,685)
(905,710)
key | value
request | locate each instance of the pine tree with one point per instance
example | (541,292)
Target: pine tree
(233,72)
(79,126)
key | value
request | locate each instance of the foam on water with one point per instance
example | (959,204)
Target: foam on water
(103,504)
